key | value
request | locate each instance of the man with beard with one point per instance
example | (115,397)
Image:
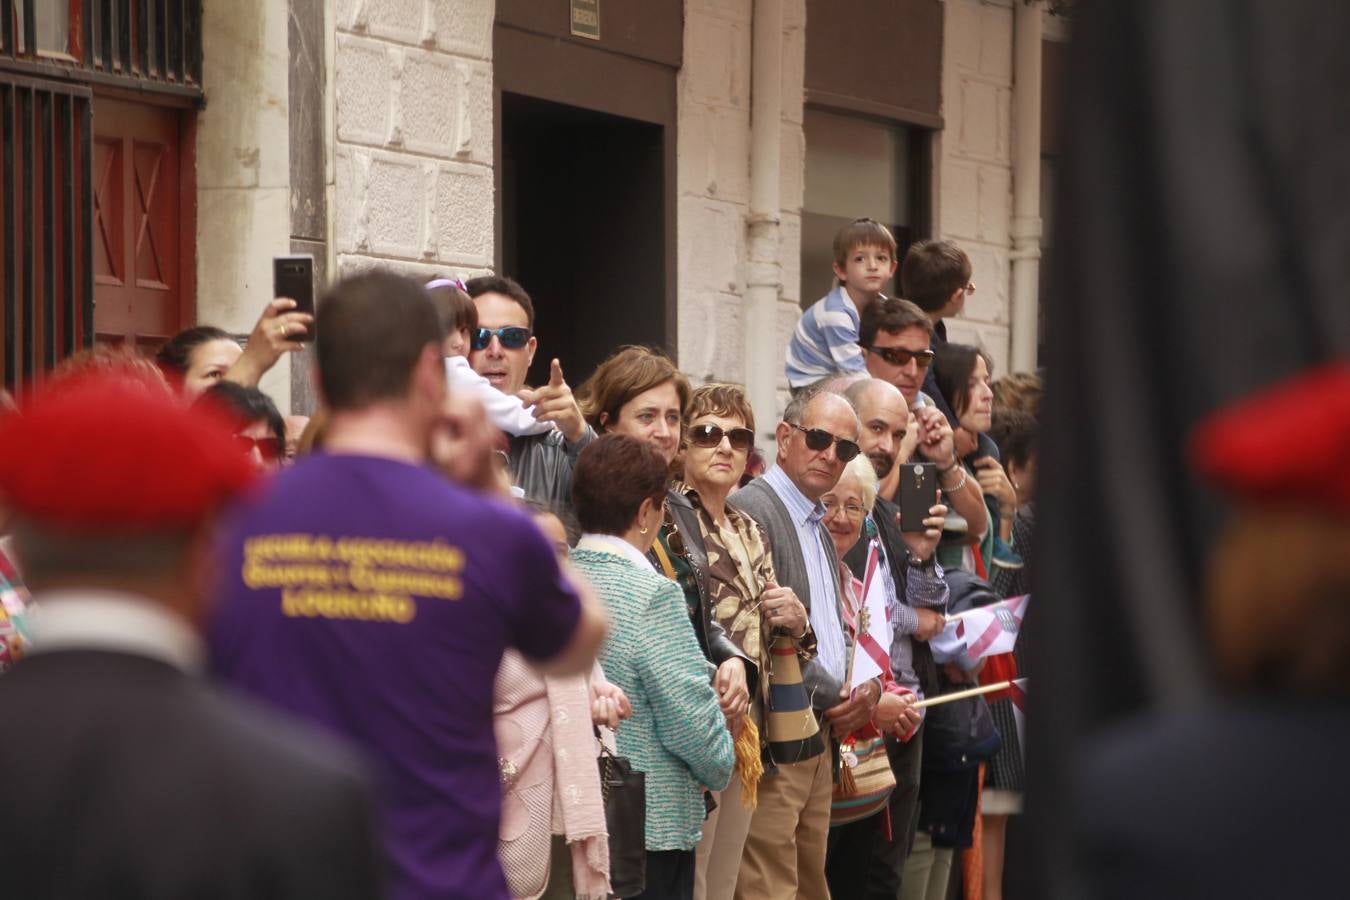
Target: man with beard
(916,601)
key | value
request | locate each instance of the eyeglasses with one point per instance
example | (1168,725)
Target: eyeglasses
(268,447)
(852,510)
(819,439)
(899,356)
(969,288)
(513,337)
(709,436)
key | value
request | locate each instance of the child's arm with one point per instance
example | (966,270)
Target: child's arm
(505,411)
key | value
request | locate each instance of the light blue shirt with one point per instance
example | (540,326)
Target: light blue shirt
(831,648)
(825,341)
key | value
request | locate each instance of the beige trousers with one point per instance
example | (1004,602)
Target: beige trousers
(785,849)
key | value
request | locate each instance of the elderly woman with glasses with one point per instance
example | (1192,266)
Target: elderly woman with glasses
(731,557)
(677,734)
(847,508)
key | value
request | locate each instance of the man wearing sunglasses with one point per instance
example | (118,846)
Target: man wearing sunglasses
(501,350)
(785,851)
(896,338)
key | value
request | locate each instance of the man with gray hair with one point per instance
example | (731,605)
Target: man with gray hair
(785,850)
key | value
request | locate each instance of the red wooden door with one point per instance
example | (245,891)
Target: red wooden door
(142,268)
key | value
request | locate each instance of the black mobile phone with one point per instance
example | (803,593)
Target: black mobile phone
(918,492)
(293,276)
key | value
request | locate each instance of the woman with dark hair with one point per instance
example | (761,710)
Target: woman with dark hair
(963,376)
(196,358)
(677,734)
(259,430)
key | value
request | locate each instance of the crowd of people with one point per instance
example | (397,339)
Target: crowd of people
(427,610)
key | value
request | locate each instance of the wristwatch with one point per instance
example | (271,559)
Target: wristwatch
(915,563)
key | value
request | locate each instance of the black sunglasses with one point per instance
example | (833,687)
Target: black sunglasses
(269,447)
(819,439)
(709,436)
(899,356)
(513,337)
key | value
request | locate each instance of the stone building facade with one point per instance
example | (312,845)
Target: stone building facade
(365,132)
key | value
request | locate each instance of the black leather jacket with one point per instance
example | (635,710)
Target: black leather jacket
(541,465)
(691,573)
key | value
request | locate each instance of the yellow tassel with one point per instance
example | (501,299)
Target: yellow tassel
(748,763)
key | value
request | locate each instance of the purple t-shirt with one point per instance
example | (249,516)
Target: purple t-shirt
(375,599)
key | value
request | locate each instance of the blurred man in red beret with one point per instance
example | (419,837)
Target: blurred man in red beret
(1245,795)
(364,592)
(124,774)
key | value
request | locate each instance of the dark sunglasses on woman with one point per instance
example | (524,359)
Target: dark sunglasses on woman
(513,337)
(819,439)
(268,447)
(709,436)
(899,356)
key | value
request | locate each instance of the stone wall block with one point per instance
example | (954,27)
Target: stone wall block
(430,101)
(397,20)
(989,271)
(712,237)
(463,27)
(717,61)
(978,123)
(712,335)
(995,204)
(464,214)
(962,30)
(996,40)
(714,152)
(960,199)
(364,73)
(392,206)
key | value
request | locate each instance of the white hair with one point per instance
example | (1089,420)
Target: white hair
(860,468)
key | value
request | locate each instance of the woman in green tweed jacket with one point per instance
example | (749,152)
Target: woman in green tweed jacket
(677,734)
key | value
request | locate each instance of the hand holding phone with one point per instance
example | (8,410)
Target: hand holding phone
(293,277)
(918,492)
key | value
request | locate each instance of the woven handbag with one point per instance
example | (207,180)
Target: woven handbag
(865,780)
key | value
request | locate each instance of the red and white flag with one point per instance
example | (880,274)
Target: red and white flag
(988,630)
(872,647)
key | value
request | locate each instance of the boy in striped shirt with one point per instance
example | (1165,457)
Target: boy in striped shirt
(825,341)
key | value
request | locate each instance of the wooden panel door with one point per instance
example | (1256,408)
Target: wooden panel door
(142,267)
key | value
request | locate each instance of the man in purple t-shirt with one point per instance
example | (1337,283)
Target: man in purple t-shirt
(364,593)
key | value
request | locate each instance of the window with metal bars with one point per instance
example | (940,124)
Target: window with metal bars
(47,213)
(155,45)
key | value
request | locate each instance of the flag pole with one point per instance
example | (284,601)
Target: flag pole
(961,695)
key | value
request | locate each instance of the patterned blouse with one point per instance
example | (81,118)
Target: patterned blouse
(740,564)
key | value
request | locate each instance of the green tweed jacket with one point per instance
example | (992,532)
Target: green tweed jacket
(677,734)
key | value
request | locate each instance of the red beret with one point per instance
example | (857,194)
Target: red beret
(103,455)
(1288,444)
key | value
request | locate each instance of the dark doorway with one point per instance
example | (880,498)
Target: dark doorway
(584,229)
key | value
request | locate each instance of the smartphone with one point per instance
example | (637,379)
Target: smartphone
(918,492)
(293,276)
